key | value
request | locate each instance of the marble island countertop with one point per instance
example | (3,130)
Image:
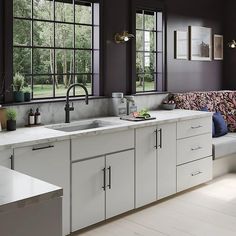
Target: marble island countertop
(18,190)
(37,135)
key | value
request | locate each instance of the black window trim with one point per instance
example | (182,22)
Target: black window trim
(148,5)
(6,53)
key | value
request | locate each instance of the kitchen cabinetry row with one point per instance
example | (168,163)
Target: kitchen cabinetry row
(108,174)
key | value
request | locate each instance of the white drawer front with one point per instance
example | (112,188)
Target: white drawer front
(97,145)
(194,127)
(194,148)
(194,173)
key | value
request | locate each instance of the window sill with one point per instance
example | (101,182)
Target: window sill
(55,100)
(150,93)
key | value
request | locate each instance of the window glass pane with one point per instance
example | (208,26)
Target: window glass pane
(139,40)
(145,82)
(83,61)
(22,60)
(22,8)
(150,62)
(139,20)
(42,86)
(149,82)
(22,33)
(85,80)
(64,62)
(43,34)
(83,36)
(43,61)
(139,62)
(83,13)
(150,20)
(149,41)
(43,9)
(62,84)
(64,11)
(64,35)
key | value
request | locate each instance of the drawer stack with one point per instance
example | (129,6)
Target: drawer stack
(194,153)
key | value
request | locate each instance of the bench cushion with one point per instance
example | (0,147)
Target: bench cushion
(224,146)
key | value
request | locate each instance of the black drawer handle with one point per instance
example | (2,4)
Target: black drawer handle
(196,149)
(42,148)
(196,173)
(196,127)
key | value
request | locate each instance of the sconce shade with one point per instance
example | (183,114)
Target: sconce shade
(123,37)
(232,44)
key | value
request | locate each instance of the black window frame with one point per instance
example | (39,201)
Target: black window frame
(6,51)
(149,6)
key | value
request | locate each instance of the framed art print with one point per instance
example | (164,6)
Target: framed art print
(181,45)
(200,43)
(218,47)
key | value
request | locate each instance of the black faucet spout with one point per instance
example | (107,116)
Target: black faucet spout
(69,108)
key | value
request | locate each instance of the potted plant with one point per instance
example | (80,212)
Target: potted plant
(18,85)
(11,119)
(27,94)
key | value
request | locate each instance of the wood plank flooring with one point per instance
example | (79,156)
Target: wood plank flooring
(206,211)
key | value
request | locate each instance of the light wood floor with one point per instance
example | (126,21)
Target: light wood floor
(207,211)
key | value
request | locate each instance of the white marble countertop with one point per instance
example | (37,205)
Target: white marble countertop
(37,135)
(18,190)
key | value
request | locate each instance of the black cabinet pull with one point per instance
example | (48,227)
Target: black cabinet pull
(104,179)
(160,132)
(156,143)
(41,148)
(12,162)
(109,171)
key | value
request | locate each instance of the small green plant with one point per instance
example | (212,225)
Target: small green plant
(27,90)
(11,114)
(18,82)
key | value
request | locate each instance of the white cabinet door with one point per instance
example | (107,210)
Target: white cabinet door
(120,183)
(145,166)
(51,163)
(166,160)
(5,158)
(88,192)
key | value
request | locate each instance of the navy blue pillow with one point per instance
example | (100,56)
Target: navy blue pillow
(221,128)
(213,125)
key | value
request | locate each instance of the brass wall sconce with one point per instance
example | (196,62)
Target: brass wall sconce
(232,44)
(123,37)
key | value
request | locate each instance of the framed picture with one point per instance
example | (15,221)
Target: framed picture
(181,45)
(200,43)
(218,47)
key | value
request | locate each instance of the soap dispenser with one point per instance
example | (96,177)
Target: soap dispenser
(118,104)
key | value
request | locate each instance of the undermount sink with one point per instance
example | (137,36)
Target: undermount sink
(83,125)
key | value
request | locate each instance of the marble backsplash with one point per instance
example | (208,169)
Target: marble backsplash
(53,113)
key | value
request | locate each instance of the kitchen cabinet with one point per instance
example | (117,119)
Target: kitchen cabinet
(155,163)
(102,187)
(166,160)
(6,158)
(49,162)
(194,153)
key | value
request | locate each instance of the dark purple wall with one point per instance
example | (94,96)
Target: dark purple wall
(181,75)
(193,75)
(229,77)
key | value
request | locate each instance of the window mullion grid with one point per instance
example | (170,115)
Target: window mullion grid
(74,45)
(54,50)
(143,52)
(92,57)
(32,50)
(156,54)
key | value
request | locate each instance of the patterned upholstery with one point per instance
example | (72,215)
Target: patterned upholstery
(221,101)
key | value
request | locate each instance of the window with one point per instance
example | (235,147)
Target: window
(55,44)
(149,51)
